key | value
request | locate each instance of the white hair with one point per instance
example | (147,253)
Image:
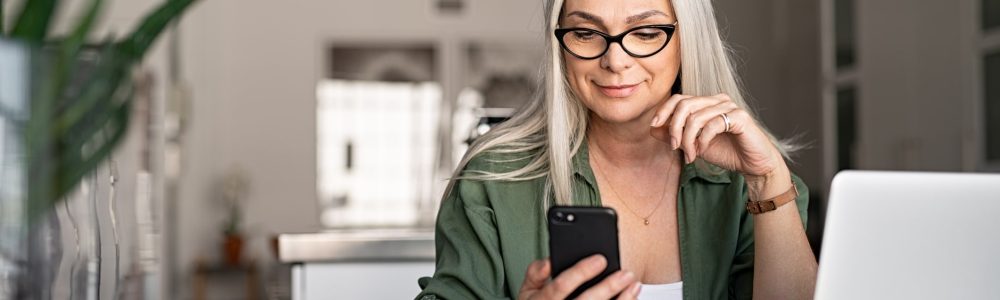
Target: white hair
(552,125)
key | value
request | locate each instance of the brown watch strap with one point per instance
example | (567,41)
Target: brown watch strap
(763,206)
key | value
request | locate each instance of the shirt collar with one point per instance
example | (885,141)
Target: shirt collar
(581,167)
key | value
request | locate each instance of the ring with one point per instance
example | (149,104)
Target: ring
(725,118)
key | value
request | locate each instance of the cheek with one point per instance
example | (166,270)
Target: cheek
(674,57)
(665,69)
(576,75)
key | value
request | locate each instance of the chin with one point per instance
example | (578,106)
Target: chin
(618,112)
(621,110)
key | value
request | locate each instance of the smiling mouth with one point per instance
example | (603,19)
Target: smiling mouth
(617,91)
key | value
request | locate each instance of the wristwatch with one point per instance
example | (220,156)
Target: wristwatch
(763,206)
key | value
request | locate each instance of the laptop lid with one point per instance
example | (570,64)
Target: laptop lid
(907,235)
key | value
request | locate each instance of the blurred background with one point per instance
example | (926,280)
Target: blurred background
(300,148)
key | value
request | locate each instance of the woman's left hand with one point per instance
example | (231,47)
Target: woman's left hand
(695,125)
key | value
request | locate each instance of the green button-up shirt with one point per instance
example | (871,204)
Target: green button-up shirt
(488,232)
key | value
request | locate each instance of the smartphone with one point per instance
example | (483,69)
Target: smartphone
(577,232)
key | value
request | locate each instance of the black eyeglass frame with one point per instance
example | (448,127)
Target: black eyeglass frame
(609,39)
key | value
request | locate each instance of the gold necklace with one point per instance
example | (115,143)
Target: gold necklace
(645,220)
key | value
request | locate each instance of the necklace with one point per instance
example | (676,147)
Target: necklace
(645,220)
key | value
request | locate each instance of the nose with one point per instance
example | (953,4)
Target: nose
(616,59)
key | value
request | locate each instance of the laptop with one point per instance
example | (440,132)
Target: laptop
(908,235)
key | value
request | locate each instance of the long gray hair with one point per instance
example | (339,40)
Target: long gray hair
(553,124)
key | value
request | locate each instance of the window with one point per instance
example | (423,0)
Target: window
(991,14)
(844,32)
(990,49)
(377,147)
(844,88)
(377,135)
(991,64)
(846,131)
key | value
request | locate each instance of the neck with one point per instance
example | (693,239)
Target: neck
(627,145)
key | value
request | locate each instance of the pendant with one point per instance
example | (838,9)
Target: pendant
(646,221)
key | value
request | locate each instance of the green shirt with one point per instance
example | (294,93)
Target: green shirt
(487,232)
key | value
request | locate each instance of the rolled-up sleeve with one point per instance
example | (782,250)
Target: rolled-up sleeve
(468,260)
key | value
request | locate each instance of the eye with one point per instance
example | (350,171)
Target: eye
(647,34)
(583,35)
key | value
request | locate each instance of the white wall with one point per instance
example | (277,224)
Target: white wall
(917,86)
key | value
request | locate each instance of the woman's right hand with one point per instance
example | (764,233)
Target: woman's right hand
(537,286)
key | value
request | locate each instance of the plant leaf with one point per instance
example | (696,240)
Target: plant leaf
(2,31)
(100,86)
(70,47)
(68,59)
(39,141)
(152,25)
(33,22)
(95,120)
(81,165)
(69,135)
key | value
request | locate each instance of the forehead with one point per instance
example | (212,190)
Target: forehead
(615,11)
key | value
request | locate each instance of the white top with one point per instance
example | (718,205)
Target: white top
(670,291)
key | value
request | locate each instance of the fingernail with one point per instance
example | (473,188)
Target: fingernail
(674,143)
(636,288)
(656,119)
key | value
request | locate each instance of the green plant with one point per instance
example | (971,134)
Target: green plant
(69,132)
(233,191)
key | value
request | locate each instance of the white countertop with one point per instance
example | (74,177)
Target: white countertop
(357,245)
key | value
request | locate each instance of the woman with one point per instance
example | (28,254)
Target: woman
(642,113)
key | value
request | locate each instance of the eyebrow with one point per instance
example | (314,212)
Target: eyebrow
(629,20)
(643,16)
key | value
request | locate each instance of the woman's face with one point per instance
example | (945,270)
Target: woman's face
(617,87)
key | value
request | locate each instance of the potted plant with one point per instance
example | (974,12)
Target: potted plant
(61,116)
(234,187)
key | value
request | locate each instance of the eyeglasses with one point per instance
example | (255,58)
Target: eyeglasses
(639,42)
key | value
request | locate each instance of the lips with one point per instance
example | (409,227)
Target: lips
(617,91)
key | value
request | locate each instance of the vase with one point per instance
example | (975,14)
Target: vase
(233,249)
(14,230)
(55,253)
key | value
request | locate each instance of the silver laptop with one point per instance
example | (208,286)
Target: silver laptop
(904,235)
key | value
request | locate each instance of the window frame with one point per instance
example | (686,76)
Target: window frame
(989,44)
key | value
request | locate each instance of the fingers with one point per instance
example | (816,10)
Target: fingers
(609,287)
(680,116)
(685,120)
(713,128)
(569,280)
(696,122)
(665,110)
(632,292)
(740,120)
(537,274)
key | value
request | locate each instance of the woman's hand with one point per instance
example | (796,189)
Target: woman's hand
(695,125)
(537,286)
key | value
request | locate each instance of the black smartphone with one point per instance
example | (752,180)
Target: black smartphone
(577,232)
